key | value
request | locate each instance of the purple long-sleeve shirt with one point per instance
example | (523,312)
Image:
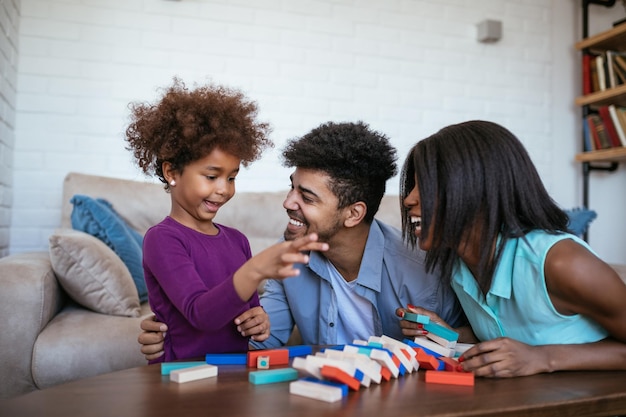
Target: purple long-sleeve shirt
(189,276)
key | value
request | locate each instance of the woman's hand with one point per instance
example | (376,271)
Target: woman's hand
(505,358)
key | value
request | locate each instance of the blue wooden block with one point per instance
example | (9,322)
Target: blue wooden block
(299,350)
(344,387)
(167,367)
(226,358)
(272,376)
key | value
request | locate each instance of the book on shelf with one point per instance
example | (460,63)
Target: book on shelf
(620,75)
(587,86)
(588,142)
(601,71)
(609,127)
(598,132)
(611,77)
(593,73)
(621,115)
(619,66)
(620,127)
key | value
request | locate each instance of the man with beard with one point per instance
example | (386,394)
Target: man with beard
(356,288)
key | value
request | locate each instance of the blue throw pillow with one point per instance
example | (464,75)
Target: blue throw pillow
(97,218)
(579,219)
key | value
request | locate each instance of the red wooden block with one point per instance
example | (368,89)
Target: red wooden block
(276,357)
(425,360)
(385,373)
(449,364)
(452,378)
(337,375)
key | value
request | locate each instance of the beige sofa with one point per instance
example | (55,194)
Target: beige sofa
(46,338)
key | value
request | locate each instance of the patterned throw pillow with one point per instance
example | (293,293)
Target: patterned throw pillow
(98,218)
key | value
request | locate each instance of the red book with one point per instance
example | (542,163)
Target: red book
(598,132)
(587,74)
(609,126)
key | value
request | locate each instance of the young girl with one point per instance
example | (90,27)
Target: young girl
(537,298)
(200,275)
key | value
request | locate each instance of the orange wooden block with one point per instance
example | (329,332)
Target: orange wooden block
(335,374)
(450,365)
(385,373)
(452,378)
(425,360)
(276,357)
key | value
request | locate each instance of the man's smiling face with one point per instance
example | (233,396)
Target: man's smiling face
(311,206)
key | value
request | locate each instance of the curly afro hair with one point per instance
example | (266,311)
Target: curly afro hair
(186,125)
(358,160)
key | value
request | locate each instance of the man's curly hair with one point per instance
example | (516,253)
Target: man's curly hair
(358,160)
(186,125)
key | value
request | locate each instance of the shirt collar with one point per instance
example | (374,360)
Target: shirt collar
(370,274)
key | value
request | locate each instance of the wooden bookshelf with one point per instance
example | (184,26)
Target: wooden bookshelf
(613,39)
(603,155)
(616,95)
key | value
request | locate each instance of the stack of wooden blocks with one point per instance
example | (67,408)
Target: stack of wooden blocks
(330,374)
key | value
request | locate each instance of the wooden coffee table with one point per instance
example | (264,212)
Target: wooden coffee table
(143,391)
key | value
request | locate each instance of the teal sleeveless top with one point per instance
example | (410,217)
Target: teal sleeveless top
(518,305)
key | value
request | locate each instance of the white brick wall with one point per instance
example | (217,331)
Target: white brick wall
(407,67)
(9,22)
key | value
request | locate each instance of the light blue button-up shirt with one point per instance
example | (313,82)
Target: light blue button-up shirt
(391,275)
(517,304)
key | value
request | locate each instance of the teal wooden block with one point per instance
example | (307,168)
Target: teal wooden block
(416,318)
(272,376)
(441,331)
(167,367)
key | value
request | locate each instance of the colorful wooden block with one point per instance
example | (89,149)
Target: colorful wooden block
(299,350)
(193,374)
(428,361)
(315,390)
(307,367)
(460,348)
(320,360)
(344,388)
(424,342)
(272,376)
(407,350)
(276,356)
(167,367)
(452,378)
(441,331)
(263,362)
(416,318)
(335,374)
(226,358)
(441,341)
(450,364)
(365,364)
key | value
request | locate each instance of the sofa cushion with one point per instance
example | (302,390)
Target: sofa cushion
(92,274)
(98,218)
